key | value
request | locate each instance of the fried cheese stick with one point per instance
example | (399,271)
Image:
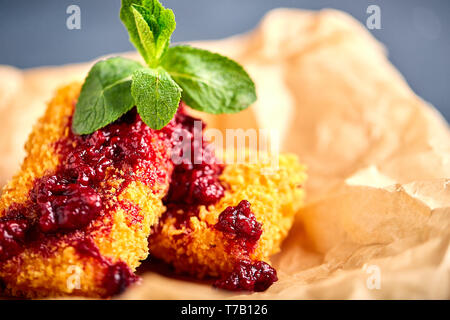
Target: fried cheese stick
(246,226)
(75,219)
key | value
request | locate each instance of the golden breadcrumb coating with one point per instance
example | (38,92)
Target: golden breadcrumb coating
(55,267)
(198,249)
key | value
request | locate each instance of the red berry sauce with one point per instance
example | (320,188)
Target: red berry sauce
(248,275)
(118,276)
(195,182)
(13,229)
(240,226)
(195,178)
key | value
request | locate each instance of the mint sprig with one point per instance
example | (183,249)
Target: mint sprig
(206,81)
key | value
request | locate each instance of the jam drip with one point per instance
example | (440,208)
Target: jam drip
(240,227)
(195,178)
(248,275)
(118,276)
(13,231)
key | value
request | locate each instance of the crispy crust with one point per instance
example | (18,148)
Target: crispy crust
(200,250)
(117,235)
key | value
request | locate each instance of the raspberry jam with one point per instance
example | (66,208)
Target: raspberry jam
(195,182)
(118,276)
(248,275)
(240,226)
(12,235)
(64,206)
(195,178)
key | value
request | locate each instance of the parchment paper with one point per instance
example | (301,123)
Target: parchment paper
(376,223)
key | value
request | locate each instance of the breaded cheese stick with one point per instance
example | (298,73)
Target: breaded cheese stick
(75,219)
(234,238)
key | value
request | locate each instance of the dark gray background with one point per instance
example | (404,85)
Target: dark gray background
(416,33)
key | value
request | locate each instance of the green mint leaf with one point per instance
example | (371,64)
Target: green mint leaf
(157,96)
(146,36)
(150,27)
(127,17)
(105,95)
(211,83)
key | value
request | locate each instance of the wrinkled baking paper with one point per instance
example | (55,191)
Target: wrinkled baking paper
(376,223)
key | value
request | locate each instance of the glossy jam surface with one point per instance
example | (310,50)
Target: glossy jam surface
(12,235)
(195,178)
(249,276)
(118,277)
(63,205)
(240,226)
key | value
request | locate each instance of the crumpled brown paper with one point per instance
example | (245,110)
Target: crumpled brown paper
(376,223)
